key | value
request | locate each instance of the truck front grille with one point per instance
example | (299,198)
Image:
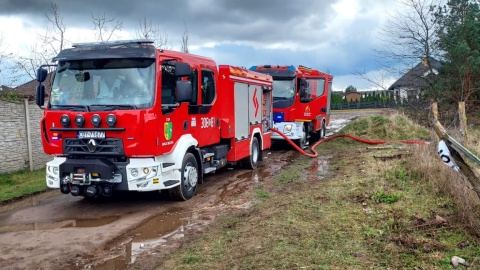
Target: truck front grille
(107,146)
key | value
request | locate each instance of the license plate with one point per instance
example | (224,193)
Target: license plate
(91,135)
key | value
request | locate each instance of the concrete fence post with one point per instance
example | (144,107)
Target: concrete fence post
(29,137)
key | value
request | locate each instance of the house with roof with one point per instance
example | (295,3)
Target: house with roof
(410,85)
(28,89)
(4,88)
(353,96)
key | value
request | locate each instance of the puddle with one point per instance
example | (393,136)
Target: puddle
(147,236)
(79,223)
(167,230)
(158,234)
(337,124)
(320,168)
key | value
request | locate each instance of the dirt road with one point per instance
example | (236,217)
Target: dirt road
(56,231)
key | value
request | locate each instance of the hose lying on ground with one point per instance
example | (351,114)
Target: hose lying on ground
(315,154)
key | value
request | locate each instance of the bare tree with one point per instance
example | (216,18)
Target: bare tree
(147,30)
(1,48)
(378,79)
(409,35)
(105,28)
(185,39)
(54,36)
(2,56)
(44,49)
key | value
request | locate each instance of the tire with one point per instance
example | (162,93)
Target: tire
(323,131)
(313,138)
(302,142)
(188,181)
(252,161)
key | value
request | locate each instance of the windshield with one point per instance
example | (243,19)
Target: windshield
(103,84)
(284,88)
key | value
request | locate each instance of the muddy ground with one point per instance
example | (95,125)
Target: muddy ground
(55,231)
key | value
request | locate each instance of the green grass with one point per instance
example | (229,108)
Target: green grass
(384,197)
(384,127)
(368,214)
(18,184)
(261,194)
(11,96)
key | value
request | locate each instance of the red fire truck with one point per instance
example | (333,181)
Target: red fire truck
(301,102)
(124,115)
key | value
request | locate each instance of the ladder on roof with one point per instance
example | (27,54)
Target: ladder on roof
(113,43)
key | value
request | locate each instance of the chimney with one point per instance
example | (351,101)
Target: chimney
(425,62)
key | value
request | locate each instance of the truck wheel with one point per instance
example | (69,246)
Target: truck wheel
(301,142)
(323,131)
(252,161)
(189,179)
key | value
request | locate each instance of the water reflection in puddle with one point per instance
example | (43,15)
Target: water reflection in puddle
(148,235)
(80,223)
(166,231)
(320,167)
(161,232)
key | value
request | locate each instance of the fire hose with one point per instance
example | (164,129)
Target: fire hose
(315,154)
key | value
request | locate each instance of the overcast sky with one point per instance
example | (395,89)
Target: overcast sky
(334,36)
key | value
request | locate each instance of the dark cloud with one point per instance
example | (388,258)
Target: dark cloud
(222,20)
(245,32)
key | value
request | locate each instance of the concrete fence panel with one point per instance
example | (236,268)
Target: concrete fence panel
(20,148)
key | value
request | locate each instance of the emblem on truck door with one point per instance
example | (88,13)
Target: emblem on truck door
(167,130)
(307,111)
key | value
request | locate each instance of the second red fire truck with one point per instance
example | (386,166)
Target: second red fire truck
(301,102)
(125,115)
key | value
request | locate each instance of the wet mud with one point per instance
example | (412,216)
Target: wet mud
(52,230)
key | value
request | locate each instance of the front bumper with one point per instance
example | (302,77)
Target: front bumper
(137,174)
(293,130)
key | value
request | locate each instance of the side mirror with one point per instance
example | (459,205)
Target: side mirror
(182,69)
(303,82)
(82,76)
(40,95)
(41,74)
(303,91)
(183,91)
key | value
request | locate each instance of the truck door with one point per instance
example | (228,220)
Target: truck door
(173,120)
(203,110)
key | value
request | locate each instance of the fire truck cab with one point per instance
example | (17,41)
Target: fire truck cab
(125,115)
(301,102)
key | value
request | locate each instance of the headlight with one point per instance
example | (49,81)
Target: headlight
(287,128)
(111,120)
(65,120)
(55,170)
(150,171)
(79,120)
(144,172)
(96,120)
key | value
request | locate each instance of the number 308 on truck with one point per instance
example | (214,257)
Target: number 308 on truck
(125,115)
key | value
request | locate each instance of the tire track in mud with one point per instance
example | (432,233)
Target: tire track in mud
(137,224)
(168,226)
